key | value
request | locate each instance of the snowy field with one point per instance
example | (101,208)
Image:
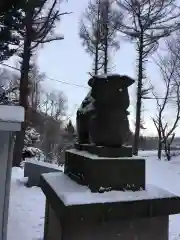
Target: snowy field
(26,216)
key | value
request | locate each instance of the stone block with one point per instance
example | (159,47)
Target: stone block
(101,151)
(131,229)
(73,212)
(33,170)
(105,173)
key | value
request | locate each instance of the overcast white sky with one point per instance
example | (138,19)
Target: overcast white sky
(67,60)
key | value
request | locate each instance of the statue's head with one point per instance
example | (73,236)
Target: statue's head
(110,89)
(120,80)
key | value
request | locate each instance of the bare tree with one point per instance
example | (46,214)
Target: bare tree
(54,105)
(35,79)
(39,25)
(98,32)
(50,137)
(145,23)
(10,83)
(45,103)
(170,71)
(60,106)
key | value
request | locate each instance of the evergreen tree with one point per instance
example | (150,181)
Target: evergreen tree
(32,137)
(11,21)
(39,25)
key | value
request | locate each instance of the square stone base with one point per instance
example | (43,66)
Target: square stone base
(73,212)
(132,229)
(118,173)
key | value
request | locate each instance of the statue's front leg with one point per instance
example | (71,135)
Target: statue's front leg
(82,128)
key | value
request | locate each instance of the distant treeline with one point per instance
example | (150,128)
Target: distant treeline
(151,143)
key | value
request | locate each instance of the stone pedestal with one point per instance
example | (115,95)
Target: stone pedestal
(73,212)
(118,173)
(10,121)
(131,229)
(104,198)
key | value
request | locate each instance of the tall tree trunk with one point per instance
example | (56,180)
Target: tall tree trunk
(160,135)
(106,57)
(96,60)
(106,31)
(19,143)
(166,149)
(97,42)
(36,96)
(159,148)
(169,152)
(138,104)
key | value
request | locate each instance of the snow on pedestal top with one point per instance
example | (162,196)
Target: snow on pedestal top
(72,193)
(11,114)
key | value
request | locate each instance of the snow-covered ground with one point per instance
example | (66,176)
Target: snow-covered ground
(26,216)
(26,213)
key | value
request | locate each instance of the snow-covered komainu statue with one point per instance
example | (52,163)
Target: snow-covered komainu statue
(102,117)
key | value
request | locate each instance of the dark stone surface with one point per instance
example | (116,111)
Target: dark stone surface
(34,169)
(131,229)
(102,117)
(101,151)
(156,203)
(109,173)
